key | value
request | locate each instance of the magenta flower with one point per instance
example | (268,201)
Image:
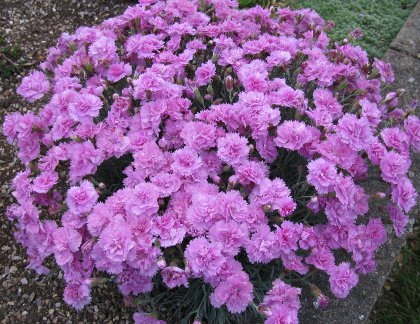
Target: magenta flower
(185,162)
(412,129)
(77,294)
(199,136)
(204,257)
(263,245)
(143,200)
(80,199)
(66,242)
(282,314)
(205,73)
(403,194)
(103,50)
(342,280)
(143,318)
(385,70)
(292,135)
(143,46)
(322,175)
(394,166)
(174,277)
(251,172)
(232,149)
(34,86)
(354,131)
(235,292)
(118,71)
(282,294)
(45,181)
(115,241)
(398,218)
(230,234)
(84,107)
(395,138)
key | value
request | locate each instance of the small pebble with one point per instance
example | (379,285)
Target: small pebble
(24,281)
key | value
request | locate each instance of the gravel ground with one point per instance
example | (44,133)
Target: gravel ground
(24,297)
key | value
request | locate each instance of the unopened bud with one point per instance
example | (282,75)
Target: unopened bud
(198,96)
(97,281)
(210,90)
(78,139)
(265,310)
(208,97)
(161,263)
(229,83)
(356,34)
(128,301)
(63,175)
(267,208)
(329,25)
(251,148)
(216,179)
(157,242)
(148,94)
(377,195)
(227,168)
(322,300)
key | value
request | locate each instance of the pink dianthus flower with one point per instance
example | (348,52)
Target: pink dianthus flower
(80,199)
(34,86)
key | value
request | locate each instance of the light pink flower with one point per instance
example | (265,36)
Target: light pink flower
(34,86)
(235,292)
(45,181)
(232,148)
(84,107)
(205,73)
(342,280)
(80,199)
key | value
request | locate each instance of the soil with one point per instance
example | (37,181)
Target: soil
(35,25)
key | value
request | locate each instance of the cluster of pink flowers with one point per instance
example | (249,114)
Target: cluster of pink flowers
(206,101)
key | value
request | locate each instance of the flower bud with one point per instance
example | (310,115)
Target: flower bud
(322,300)
(377,195)
(210,90)
(227,168)
(267,208)
(198,96)
(229,83)
(265,310)
(161,263)
(129,301)
(356,34)
(329,25)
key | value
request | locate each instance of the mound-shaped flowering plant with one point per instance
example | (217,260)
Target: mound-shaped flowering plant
(208,160)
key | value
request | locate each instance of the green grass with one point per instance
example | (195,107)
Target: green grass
(400,302)
(380,20)
(8,59)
